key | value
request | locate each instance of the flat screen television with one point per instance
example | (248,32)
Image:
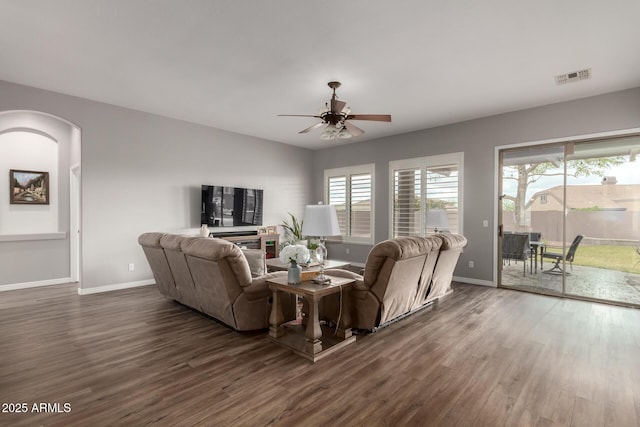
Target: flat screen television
(230,206)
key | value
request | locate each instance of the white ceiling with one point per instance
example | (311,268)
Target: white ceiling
(236,65)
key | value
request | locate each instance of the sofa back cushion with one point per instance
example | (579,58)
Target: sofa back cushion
(426,277)
(219,272)
(172,245)
(256,259)
(157,259)
(452,245)
(393,271)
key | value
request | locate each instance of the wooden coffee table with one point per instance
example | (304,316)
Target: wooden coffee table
(313,341)
(274,264)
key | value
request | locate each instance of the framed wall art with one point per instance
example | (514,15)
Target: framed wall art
(28,187)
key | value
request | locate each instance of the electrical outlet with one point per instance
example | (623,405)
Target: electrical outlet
(132,267)
(470,264)
(347,249)
(485,223)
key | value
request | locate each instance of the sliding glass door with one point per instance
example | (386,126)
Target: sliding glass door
(531,209)
(579,203)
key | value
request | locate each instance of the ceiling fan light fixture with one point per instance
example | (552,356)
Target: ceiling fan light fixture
(336,115)
(329,132)
(344,133)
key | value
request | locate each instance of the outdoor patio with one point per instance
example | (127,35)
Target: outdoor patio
(588,282)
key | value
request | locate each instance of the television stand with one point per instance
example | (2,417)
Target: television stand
(269,243)
(223,234)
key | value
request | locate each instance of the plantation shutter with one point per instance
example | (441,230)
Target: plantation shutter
(350,190)
(442,188)
(360,204)
(407,202)
(337,194)
(425,195)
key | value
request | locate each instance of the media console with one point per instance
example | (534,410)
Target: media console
(269,243)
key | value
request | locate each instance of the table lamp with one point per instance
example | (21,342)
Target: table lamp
(437,219)
(320,221)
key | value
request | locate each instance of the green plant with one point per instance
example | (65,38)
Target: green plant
(293,229)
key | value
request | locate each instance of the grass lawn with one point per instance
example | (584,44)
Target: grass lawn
(621,258)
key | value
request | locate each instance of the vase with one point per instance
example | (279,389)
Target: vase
(294,276)
(204,230)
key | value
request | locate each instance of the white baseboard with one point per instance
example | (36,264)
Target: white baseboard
(37,284)
(474,281)
(116,287)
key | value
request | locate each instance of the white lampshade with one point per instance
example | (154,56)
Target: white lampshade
(437,219)
(320,221)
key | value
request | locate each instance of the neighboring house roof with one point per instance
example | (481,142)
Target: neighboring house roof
(603,196)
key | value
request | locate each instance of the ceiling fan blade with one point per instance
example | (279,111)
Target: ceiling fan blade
(337,106)
(373,117)
(298,115)
(353,129)
(310,128)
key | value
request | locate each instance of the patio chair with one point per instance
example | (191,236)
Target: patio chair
(516,246)
(537,245)
(557,269)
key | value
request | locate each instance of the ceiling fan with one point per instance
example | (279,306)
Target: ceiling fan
(335,115)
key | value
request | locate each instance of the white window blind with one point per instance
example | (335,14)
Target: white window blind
(350,190)
(442,188)
(426,195)
(407,202)
(338,197)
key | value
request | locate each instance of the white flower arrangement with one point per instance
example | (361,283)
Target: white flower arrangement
(294,253)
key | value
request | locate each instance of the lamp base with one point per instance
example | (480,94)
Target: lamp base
(321,279)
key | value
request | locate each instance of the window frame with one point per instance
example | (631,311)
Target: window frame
(423,163)
(348,172)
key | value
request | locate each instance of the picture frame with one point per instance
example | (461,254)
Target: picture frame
(272,229)
(262,231)
(28,187)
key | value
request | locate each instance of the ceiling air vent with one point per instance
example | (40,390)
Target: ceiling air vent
(573,77)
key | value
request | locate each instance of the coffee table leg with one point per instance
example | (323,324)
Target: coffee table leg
(313,333)
(276,318)
(344,326)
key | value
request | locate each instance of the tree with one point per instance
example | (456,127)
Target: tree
(527,174)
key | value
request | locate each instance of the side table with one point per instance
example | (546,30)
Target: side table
(312,341)
(274,264)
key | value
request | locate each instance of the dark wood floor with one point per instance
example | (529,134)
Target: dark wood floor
(482,356)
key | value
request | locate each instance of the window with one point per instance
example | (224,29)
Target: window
(350,190)
(426,195)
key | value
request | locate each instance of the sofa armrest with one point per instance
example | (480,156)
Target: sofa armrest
(259,288)
(343,273)
(359,289)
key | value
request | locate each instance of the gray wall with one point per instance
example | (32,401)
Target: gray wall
(142,172)
(477,139)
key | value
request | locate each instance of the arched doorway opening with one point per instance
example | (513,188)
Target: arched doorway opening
(42,241)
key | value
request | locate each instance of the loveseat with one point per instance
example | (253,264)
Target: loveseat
(212,276)
(401,276)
